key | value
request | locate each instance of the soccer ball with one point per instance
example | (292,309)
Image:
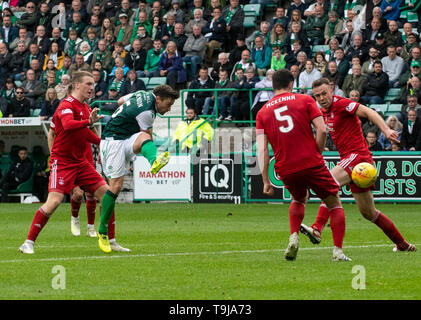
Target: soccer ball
(364,175)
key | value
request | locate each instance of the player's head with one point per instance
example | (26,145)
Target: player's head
(165,97)
(323,92)
(82,85)
(282,80)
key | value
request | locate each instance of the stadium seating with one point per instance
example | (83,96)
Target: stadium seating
(318,48)
(249,22)
(392,94)
(252,10)
(35,112)
(155,81)
(379,107)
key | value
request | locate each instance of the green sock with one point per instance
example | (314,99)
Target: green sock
(149,151)
(107,204)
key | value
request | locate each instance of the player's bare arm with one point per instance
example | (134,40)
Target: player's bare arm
(321,132)
(375,118)
(263,159)
(94,117)
(120,101)
(50,139)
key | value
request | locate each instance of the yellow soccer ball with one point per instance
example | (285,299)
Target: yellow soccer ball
(364,175)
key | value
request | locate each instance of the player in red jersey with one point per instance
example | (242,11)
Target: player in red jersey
(342,119)
(77,194)
(285,122)
(68,163)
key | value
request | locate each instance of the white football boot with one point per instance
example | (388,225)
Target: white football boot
(313,234)
(90,231)
(75,226)
(411,247)
(294,244)
(27,247)
(338,255)
(116,247)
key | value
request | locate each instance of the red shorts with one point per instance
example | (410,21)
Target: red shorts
(349,163)
(319,179)
(65,175)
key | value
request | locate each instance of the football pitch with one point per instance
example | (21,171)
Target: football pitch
(197,251)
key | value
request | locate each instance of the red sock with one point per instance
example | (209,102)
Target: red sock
(39,221)
(75,207)
(322,218)
(111,227)
(90,209)
(296,215)
(390,230)
(337,224)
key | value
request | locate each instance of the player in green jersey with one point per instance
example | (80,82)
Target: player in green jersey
(128,133)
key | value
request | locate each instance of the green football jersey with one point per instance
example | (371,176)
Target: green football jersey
(136,113)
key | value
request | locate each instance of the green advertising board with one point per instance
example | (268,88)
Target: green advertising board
(399,179)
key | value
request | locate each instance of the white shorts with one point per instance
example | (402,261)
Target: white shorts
(116,156)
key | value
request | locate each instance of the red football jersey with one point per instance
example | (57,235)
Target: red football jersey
(70,145)
(345,128)
(286,120)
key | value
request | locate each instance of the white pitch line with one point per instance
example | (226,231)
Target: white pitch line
(170,254)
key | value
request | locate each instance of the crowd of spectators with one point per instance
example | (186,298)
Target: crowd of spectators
(365,47)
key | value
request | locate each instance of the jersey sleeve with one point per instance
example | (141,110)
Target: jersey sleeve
(348,107)
(145,119)
(127,97)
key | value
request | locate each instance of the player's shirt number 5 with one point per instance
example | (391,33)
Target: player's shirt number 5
(278,115)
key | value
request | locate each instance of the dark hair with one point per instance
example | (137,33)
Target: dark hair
(165,91)
(203,67)
(22,148)
(281,79)
(377,62)
(320,82)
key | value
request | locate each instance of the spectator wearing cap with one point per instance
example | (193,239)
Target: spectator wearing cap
(123,31)
(214,32)
(375,86)
(198,19)
(125,8)
(111,94)
(380,45)
(234,17)
(392,65)
(194,49)
(414,71)
(176,11)
(408,46)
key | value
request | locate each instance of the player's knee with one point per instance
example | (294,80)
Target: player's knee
(368,213)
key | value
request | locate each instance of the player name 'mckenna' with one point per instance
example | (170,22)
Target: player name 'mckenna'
(280,99)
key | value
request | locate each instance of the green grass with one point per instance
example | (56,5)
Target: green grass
(192,251)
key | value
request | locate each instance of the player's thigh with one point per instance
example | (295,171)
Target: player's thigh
(137,140)
(89,179)
(365,203)
(113,158)
(116,184)
(340,175)
(322,182)
(297,187)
